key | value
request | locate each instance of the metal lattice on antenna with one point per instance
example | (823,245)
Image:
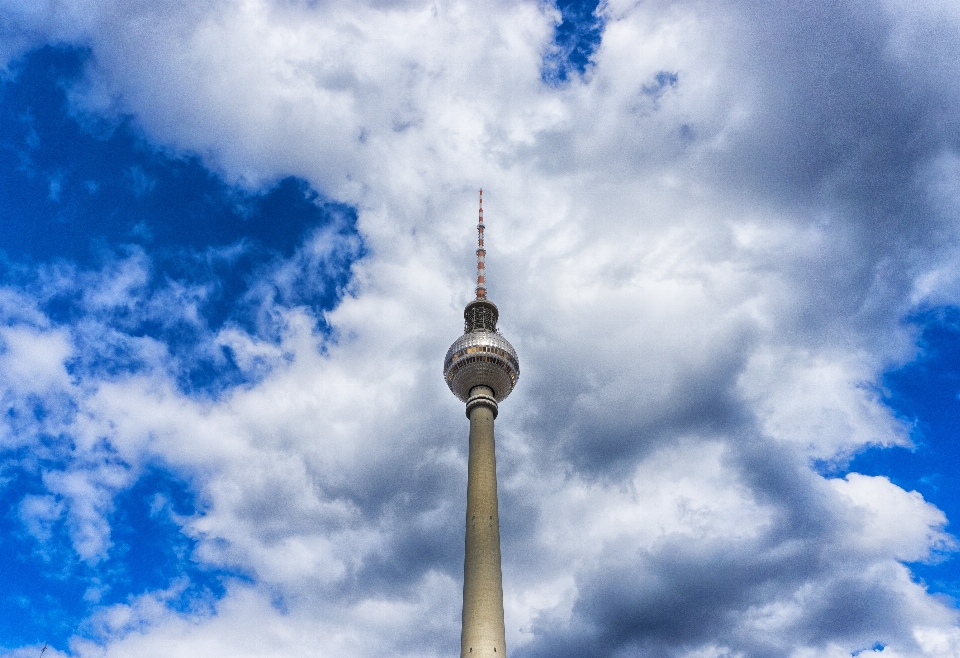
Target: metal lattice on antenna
(481,256)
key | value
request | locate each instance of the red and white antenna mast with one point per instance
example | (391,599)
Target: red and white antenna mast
(481,255)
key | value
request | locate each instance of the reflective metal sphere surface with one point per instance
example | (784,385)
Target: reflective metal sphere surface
(481,358)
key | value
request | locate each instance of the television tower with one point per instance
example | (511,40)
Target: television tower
(481,368)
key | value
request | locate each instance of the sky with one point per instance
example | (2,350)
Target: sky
(236,239)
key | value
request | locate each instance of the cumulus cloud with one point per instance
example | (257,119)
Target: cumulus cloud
(703,250)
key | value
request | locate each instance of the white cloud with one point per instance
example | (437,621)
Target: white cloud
(820,403)
(34,359)
(38,513)
(892,521)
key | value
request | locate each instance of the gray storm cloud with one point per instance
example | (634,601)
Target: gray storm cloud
(703,251)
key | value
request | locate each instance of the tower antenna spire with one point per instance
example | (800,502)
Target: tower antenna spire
(481,255)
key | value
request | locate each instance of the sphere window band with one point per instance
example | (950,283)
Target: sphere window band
(484,351)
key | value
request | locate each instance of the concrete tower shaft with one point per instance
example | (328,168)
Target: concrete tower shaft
(483,633)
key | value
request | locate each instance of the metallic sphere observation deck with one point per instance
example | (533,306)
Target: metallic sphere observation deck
(481,356)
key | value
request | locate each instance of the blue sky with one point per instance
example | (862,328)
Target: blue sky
(234,244)
(926,394)
(86,193)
